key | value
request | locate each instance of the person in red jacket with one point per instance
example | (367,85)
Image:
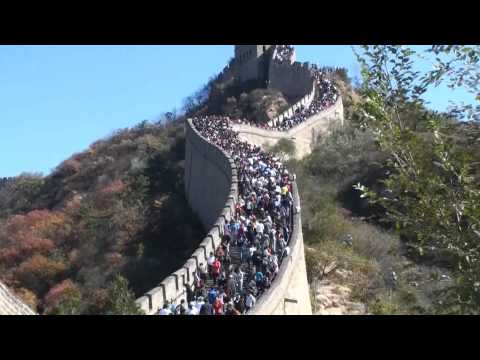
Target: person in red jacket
(216,270)
(218,306)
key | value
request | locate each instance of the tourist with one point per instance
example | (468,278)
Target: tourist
(218,306)
(165,310)
(182,308)
(249,302)
(216,267)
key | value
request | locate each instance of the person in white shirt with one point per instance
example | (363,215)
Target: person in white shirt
(203,272)
(252,250)
(260,227)
(239,276)
(192,308)
(278,201)
(250,301)
(211,259)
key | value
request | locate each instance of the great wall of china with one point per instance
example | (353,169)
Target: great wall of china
(211,186)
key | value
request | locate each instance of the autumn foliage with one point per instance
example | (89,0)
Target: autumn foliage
(64,238)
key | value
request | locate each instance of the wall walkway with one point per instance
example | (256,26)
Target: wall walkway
(211,187)
(303,135)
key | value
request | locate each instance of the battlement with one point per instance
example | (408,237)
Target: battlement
(293,80)
(252,62)
(274,66)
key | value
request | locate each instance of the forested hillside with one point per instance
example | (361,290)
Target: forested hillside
(116,208)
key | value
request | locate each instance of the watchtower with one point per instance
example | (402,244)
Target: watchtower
(253,62)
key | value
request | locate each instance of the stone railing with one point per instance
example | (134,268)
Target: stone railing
(305,102)
(292,79)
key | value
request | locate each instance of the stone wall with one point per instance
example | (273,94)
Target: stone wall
(250,61)
(293,80)
(11,304)
(303,135)
(208,175)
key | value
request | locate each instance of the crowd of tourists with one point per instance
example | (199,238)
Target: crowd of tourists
(325,96)
(256,239)
(284,53)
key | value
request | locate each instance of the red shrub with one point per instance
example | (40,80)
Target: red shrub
(114,187)
(60,291)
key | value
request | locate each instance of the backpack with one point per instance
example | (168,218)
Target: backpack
(212,295)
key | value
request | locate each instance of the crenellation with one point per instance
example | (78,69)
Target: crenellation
(208,246)
(190,266)
(156,297)
(181,278)
(170,288)
(215,234)
(144,304)
(199,256)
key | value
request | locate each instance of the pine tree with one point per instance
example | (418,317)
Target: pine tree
(121,301)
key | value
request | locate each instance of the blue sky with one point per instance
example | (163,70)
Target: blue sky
(57,100)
